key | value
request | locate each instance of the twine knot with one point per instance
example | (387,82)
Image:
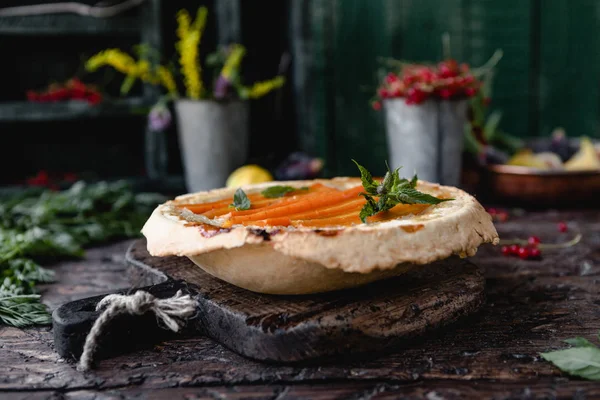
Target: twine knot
(171,312)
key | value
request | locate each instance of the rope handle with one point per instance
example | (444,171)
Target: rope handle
(172,312)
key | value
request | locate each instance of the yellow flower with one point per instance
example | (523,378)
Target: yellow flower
(166,79)
(233,61)
(115,58)
(259,89)
(183,24)
(200,21)
(187,47)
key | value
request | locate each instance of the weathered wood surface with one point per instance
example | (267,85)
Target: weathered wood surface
(531,307)
(358,321)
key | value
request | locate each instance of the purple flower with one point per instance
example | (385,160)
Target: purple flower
(221,85)
(159,118)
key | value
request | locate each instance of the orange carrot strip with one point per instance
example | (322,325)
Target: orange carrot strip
(305,203)
(327,212)
(280,221)
(353,217)
(226,210)
(290,199)
(199,208)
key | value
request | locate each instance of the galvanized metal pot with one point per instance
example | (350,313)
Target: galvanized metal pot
(426,138)
(213,138)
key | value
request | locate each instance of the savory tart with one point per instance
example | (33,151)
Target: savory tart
(302,237)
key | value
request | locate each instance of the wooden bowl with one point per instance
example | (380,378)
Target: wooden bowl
(526,186)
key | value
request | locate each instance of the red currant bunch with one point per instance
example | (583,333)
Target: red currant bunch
(418,82)
(529,252)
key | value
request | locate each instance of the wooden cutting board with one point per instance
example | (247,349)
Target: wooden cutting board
(272,328)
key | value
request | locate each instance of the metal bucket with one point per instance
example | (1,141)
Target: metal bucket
(426,138)
(213,138)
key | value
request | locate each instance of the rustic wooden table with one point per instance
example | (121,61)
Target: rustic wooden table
(531,307)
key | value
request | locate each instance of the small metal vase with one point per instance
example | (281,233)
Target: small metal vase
(426,138)
(213,138)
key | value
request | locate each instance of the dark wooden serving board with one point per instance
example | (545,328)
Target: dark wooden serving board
(363,320)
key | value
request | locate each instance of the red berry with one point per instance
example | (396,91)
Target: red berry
(562,227)
(502,216)
(468,79)
(376,105)
(524,253)
(446,93)
(514,249)
(94,98)
(492,211)
(535,253)
(506,250)
(470,91)
(391,78)
(383,93)
(32,96)
(533,240)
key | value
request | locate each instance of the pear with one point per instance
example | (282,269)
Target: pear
(585,159)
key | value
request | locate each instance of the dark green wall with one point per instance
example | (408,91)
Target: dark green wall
(549,75)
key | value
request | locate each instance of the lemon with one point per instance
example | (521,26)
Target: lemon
(248,174)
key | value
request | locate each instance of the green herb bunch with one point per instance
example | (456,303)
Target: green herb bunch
(391,191)
(43,226)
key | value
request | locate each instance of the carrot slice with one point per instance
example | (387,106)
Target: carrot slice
(336,210)
(199,208)
(353,217)
(280,221)
(226,210)
(289,200)
(305,203)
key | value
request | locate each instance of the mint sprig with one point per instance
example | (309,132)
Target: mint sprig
(392,190)
(583,359)
(241,202)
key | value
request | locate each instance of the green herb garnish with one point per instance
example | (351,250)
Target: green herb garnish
(279,191)
(38,225)
(583,359)
(392,191)
(240,201)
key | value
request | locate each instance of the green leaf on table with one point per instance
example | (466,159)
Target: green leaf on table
(579,342)
(577,361)
(279,191)
(240,201)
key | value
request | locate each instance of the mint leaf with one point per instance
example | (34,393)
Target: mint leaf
(392,191)
(579,342)
(367,180)
(408,195)
(578,361)
(369,209)
(240,200)
(413,181)
(279,191)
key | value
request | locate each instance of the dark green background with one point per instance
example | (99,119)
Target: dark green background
(549,75)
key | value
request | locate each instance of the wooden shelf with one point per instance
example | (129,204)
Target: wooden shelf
(59,24)
(69,110)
